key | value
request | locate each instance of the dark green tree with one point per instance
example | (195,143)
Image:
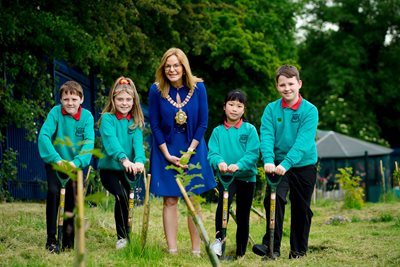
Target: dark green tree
(103,38)
(231,44)
(350,68)
(247,41)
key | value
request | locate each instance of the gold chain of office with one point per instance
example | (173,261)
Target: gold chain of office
(180,116)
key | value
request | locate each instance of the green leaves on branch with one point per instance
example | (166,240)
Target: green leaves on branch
(354,193)
(185,178)
(8,172)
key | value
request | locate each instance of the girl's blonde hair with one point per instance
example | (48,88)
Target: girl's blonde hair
(189,80)
(123,84)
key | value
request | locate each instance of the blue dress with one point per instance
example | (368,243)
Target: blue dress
(178,138)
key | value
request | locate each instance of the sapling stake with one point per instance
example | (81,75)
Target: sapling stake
(146,211)
(181,173)
(199,225)
(80,221)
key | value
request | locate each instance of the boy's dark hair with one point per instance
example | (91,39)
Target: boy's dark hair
(235,95)
(288,71)
(71,87)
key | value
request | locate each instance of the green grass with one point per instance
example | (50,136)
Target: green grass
(368,237)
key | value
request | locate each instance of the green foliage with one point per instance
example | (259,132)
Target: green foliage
(397,222)
(8,172)
(396,177)
(349,55)
(261,185)
(247,41)
(384,217)
(185,178)
(230,44)
(353,196)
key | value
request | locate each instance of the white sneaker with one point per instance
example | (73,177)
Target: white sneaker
(217,247)
(121,243)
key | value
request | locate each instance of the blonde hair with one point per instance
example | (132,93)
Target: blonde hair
(123,84)
(188,79)
(71,87)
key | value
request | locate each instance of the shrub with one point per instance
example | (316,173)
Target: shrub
(8,173)
(396,177)
(353,196)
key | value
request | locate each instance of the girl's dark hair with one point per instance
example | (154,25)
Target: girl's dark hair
(235,95)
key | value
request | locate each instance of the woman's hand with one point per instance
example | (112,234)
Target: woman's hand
(174,160)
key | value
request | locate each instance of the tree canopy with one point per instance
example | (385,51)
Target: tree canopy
(349,71)
(231,44)
(351,68)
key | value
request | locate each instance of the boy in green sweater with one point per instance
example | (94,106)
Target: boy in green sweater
(234,149)
(288,149)
(68,123)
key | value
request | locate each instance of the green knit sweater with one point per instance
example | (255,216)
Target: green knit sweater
(64,138)
(235,146)
(119,141)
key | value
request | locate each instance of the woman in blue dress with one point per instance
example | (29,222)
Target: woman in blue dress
(178,111)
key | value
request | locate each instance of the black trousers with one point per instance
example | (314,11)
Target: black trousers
(300,183)
(244,192)
(115,183)
(52,203)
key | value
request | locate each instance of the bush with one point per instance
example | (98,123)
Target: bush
(396,177)
(353,196)
(8,173)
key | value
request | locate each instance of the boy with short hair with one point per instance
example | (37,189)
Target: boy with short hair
(287,134)
(73,124)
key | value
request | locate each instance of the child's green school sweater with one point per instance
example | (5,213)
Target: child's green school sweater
(75,136)
(120,141)
(235,146)
(288,136)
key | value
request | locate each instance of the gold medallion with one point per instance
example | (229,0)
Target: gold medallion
(180,117)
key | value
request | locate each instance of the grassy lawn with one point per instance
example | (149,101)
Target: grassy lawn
(371,238)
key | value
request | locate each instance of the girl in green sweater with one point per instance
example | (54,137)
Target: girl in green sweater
(234,149)
(122,144)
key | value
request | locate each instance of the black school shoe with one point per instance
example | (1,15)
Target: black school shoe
(296,255)
(52,248)
(263,251)
(260,249)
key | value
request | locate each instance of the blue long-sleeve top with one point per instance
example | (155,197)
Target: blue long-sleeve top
(162,113)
